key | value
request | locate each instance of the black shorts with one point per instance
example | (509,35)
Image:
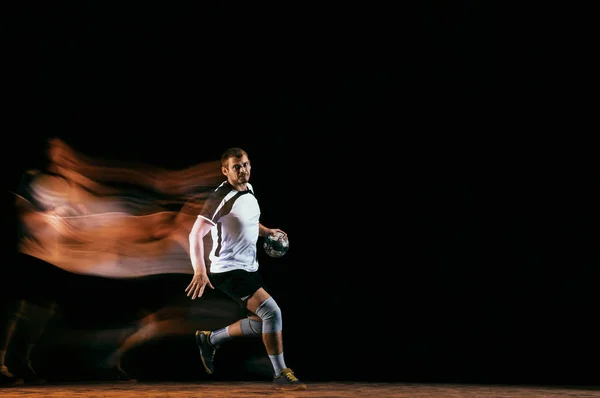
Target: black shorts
(238,284)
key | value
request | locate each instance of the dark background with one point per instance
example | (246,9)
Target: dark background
(424,160)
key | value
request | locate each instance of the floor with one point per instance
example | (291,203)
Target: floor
(320,389)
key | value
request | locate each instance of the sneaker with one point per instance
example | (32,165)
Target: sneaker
(117,373)
(207,350)
(28,375)
(286,380)
(7,378)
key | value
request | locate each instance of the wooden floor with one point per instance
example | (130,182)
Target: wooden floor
(321,390)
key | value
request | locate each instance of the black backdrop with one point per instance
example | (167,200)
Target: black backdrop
(434,236)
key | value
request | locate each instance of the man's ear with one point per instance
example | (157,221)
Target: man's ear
(224,170)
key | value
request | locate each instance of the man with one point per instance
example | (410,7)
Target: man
(232,216)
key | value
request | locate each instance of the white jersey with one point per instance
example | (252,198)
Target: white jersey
(235,217)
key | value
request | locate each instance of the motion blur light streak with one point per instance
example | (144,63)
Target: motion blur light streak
(112,219)
(88,172)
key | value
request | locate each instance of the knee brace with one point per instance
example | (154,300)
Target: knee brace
(250,327)
(270,314)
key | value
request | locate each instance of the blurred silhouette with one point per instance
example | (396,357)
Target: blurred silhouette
(30,319)
(90,223)
(119,221)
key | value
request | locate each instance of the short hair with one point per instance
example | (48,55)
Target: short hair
(232,153)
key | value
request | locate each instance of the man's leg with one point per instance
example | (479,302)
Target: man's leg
(35,318)
(12,316)
(264,306)
(163,322)
(208,342)
(266,321)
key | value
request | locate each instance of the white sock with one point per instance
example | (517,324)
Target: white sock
(218,337)
(278,363)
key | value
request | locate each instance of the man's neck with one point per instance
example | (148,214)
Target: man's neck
(239,187)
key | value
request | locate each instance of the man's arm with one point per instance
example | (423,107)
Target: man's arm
(200,228)
(200,279)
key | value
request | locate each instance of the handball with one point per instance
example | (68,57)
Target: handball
(276,245)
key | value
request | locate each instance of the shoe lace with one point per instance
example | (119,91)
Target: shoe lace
(288,374)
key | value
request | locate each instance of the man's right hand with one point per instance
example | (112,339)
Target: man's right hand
(197,285)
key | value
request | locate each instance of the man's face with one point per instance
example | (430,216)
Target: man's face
(237,170)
